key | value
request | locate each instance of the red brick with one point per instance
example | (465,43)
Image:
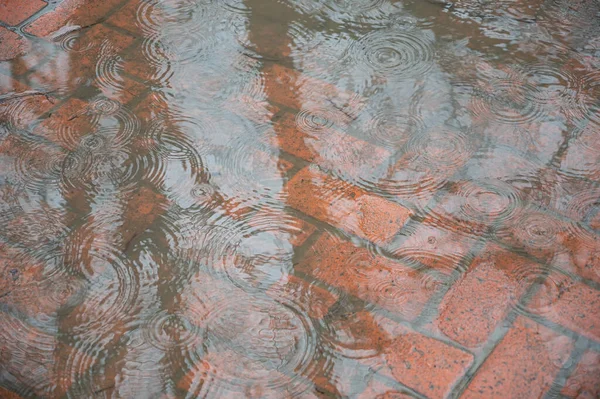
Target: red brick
(434,247)
(314,300)
(537,233)
(71,12)
(68,124)
(523,365)
(10,85)
(580,253)
(584,382)
(13,12)
(370,277)
(345,206)
(571,304)
(282,224)
(297,91)
(424,364)
(6,394)
(81,67)
(12,45)
(329,148)
(126,17)
(484,294)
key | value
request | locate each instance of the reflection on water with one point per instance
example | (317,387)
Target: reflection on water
(303,198)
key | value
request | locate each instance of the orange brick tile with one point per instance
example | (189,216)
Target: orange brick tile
(433,247)
(126,17)
(315,300)
(328,147)
(68,124)
(345,206)
(288,227)
(12,45)
(584,382)
(571,304)
(74,12)
(373,278)
(424,364)
(484,294)
(92,49)
(523,365)
(6,394)
(295,90)
(13,12)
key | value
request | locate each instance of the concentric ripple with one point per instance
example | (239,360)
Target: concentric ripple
(508,100)
(39,165)
(257,344)
(441,150)
(488,201)
(393,54)
(545,284)
(169,330)
(316,120)
(393,129)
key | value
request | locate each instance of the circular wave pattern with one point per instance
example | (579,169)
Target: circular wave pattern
(316,120)
(169,330)
(393,129)
(259,343)
(440,150)
(508,100)
(489,201)
(393,54)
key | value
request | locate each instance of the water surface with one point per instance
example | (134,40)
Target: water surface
(304,198)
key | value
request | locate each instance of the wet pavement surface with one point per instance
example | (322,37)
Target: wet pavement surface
(300,198)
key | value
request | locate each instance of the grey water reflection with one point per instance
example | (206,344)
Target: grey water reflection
(303,198)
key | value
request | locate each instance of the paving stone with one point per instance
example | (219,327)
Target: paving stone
(373,278)
(13,12)
(328,147)
(569,303)
(298,91)
(12,45)
(68,124)
(6,394)
(89,57)
(428,366)
(583,382)
(523,365)
(71,12)
(345,206)
(434,247)
(479,301)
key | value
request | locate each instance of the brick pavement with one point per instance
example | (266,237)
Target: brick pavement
(424,297)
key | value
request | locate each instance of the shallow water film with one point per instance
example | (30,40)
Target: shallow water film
(300,199)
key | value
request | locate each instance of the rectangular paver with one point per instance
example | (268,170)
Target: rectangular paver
(345,206)
(523,365)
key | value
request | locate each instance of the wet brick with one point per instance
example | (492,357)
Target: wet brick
(345,206)
(569,303)
(428,366)
(329,148)
(484,294)
(6,394)
(297,91)
(583,382)
(71,12)
(12,45)
(13,12)
(523,365)
(372,278)
(68,124)
(431,246)
(314,300)
(91,62)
